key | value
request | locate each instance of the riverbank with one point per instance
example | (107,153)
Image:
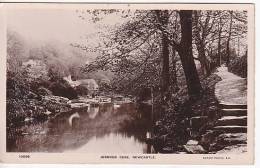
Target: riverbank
(186,119)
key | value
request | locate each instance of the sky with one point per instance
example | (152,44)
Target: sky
(63,25)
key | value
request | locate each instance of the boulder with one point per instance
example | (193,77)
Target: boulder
(194,149)
(192,142)
(208,138)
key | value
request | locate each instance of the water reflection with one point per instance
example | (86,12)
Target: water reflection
(112,143)
(99,129)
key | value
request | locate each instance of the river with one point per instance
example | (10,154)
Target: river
(104,128)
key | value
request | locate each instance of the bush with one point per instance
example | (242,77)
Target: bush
(62,88)
(238,66)
(81,90)
(43,91)
(59,86)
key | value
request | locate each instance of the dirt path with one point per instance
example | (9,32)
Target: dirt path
(232,89)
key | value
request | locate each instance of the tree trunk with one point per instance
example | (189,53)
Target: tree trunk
(219,40)
(229,37)
(174,81)
(185,52)
(165,64)
(203,60)
(163,18)
(200,44)
(174,72)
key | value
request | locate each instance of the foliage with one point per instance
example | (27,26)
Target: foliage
(238,66)
(81,90)
(172,122)
(59,86)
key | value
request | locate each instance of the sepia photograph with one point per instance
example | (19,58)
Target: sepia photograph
(112,81)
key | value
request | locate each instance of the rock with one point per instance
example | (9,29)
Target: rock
(181,152)
(79,105)
(232,138)
(208,138)
(234,149)
(56,99)
(194,149)
(227,139)
(192,142)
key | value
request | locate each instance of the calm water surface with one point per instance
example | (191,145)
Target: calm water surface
(105,128)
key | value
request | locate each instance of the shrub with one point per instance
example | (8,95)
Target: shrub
(81,90)
(62,88)
(238,66)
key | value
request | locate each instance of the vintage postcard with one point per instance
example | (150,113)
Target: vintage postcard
(127,83)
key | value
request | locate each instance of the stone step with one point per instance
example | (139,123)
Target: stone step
(224,105)
(232,120)
(231,129)
(234,149)
(234,112)
(232,138)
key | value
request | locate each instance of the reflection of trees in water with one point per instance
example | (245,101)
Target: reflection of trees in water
(139,125)
(125,120)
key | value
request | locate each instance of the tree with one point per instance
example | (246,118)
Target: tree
(16,51)
(163,18)
(229,38)
(130,48)
(133,51)
(220,25)
(184,49)
(185,52)
(203,25)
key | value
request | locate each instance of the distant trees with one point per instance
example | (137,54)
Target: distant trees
(16,51)
(204,21)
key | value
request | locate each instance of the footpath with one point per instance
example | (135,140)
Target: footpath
(228,134)
(231,93)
